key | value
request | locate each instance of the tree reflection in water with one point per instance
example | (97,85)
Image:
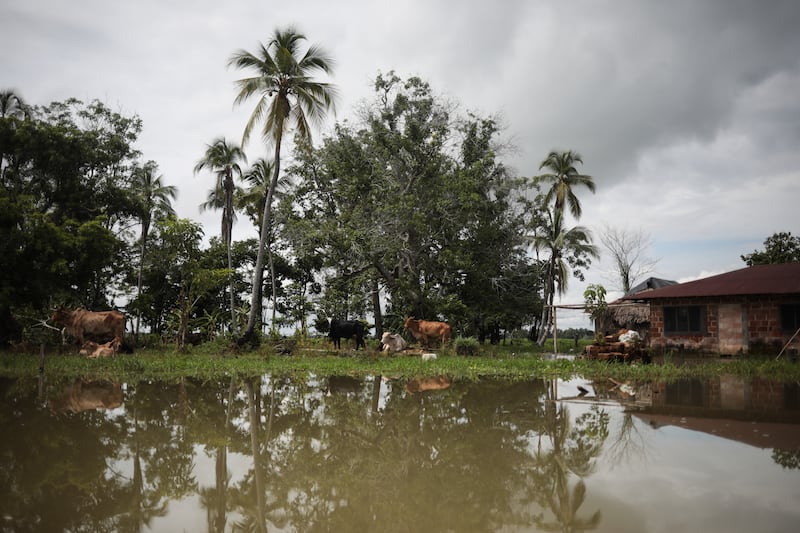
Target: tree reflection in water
(564,451)
(316,454)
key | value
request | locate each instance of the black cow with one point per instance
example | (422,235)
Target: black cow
(347,329)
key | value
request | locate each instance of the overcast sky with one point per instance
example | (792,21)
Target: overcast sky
(687,113)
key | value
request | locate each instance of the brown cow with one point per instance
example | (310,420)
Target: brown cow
(99,325)
(422,330)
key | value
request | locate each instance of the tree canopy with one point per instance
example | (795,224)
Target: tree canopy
(780,247)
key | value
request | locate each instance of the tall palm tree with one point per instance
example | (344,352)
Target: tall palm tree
(287,97)
(563,178)
(223,159)
(155,199)
(560,243)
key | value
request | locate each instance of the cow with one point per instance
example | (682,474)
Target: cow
(100,326)
(423,330)
(393,342)
(92,349)
(347,329)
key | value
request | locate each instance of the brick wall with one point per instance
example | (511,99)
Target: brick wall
(758,330)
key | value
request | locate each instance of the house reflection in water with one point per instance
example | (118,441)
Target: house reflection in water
(754,411)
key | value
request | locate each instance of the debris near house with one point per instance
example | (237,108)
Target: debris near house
(625,346)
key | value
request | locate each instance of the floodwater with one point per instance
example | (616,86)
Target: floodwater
(380,454)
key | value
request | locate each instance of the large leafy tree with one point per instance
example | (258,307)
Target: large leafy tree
(68,203)
(288,96)
(179,277)
(413,202)
(781,247)
(224,160)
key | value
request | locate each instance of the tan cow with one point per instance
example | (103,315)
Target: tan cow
(423,330)
(98,325)
(92,349)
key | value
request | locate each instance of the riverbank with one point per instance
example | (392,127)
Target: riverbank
(509,362)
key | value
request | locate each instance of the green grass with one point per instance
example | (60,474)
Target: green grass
(522,360)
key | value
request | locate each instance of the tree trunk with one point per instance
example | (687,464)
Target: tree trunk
(249,335)
(547,314)
(376,308)
(274,283)
(227,230)
(145,231)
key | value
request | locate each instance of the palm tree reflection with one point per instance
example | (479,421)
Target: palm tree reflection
(565,451)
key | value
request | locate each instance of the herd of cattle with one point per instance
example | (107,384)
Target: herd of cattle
(100,333)
(422,330)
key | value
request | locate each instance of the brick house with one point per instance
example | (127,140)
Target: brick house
(752,310)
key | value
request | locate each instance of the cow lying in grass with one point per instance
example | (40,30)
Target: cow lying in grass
(92,349)
(393,342)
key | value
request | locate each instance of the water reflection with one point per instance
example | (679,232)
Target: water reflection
(81,395)
(353,454)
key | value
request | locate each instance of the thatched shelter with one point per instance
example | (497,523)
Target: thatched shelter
(626,314)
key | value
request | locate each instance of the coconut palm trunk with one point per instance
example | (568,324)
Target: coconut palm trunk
(258,273)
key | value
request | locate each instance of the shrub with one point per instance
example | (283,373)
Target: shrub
(466,346)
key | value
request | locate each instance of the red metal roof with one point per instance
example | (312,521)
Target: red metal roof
(760,279)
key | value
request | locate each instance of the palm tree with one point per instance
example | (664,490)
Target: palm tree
(561,244)
(223,159)
(564,177)
(252,198)
(12,105)
(287,97)
(155,199)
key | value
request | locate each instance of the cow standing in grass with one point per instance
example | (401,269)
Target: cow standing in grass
(98,326)
(425,330)
(347,329)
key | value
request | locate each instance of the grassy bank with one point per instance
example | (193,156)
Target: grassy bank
(519,361)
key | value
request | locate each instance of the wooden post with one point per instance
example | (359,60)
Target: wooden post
(555,331)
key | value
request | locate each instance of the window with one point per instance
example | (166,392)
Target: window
(790,317)
(685,320)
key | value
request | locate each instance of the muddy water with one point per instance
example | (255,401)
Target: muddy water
(343,454)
